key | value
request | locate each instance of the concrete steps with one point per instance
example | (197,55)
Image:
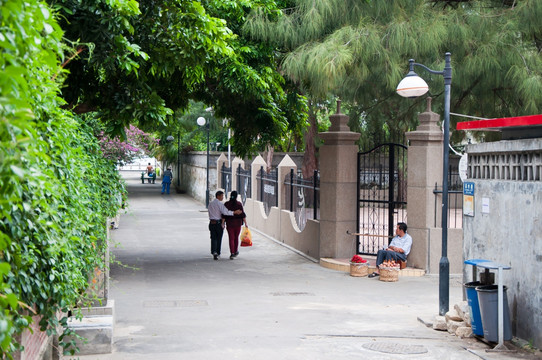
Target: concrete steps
(96,327)
(344,265)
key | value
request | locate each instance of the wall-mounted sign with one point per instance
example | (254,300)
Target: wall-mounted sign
(269,189)
(485,205)
(468,198)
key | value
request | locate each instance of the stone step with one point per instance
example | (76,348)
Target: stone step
(344,265)
(96,327)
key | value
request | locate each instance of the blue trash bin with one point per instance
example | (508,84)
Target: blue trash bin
(474,307)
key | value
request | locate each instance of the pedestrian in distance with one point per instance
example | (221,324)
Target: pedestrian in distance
(166,180)
(150,170)
(234,223)
(216,222)
(398,248)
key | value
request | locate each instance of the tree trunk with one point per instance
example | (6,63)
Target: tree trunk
(310,162)
(268,156)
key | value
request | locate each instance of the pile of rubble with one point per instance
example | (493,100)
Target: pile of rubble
(456,321)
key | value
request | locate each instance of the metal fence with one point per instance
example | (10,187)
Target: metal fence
(226,175)
(455,200)
(268,192)
(244,183)
(382,190)
(303,197)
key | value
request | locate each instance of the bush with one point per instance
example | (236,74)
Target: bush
(56,188)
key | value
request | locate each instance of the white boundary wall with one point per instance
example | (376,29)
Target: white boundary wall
(508,229)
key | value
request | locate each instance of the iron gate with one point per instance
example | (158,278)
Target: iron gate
(244,183)
(268,189)
(381,196)
(226,174)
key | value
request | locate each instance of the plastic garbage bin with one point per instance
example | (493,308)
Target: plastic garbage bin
(474,307)
(488,298)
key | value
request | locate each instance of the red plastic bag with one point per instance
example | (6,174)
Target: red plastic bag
(246,237)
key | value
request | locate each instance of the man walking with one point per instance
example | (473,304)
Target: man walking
(216,223)
(166,180)
(398,249)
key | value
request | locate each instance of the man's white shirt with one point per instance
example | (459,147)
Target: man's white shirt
(217,209)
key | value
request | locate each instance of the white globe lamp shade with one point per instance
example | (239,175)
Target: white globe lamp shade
(412,86)
(201,121)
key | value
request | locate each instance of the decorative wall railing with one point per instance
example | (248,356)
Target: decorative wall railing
(268,192)
(303,197)
(520,166)
(226,174)
(244,183)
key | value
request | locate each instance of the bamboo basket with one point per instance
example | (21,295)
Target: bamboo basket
(389,274)
(359,269)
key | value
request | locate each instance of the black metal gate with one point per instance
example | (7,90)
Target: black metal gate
(268,189)
(244,183)
(381,195)
(226,178)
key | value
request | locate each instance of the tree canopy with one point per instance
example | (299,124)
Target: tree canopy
(359,51)
(139,62)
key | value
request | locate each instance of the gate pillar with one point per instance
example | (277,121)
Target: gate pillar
(283,169)
(338,193)
(424,171)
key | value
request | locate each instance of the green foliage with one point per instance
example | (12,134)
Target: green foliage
(143,62)
(138,66)
(359,51)
(56,189)
(248,89)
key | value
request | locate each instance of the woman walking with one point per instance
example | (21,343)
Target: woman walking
(234,223)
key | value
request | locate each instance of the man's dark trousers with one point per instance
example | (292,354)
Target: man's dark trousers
(388,255)
(216,237)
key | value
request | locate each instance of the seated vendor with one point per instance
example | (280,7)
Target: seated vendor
(397,250)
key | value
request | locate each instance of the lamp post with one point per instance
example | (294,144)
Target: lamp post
(169,139)
(413,86)
(201,122)
(224,123)
(178,164)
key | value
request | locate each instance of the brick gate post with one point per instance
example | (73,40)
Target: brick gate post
(338,181)
(424,170)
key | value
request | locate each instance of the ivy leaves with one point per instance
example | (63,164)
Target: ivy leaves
(56,189)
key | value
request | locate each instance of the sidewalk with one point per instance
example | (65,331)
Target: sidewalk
(173,301)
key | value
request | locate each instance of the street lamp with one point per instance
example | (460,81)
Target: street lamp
(413,86)
(224,123)
(201,122)
(169,139)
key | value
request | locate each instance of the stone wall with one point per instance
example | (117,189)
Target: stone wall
(280,225)
(193,171)
(193,174)
(507,224)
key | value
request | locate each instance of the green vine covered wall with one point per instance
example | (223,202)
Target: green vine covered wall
(56,188)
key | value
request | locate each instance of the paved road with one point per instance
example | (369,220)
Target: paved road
(173,301)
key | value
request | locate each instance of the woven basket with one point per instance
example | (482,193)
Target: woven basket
(389,274)
(359,269)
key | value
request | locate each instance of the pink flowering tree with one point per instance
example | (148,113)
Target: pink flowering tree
(137,143)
